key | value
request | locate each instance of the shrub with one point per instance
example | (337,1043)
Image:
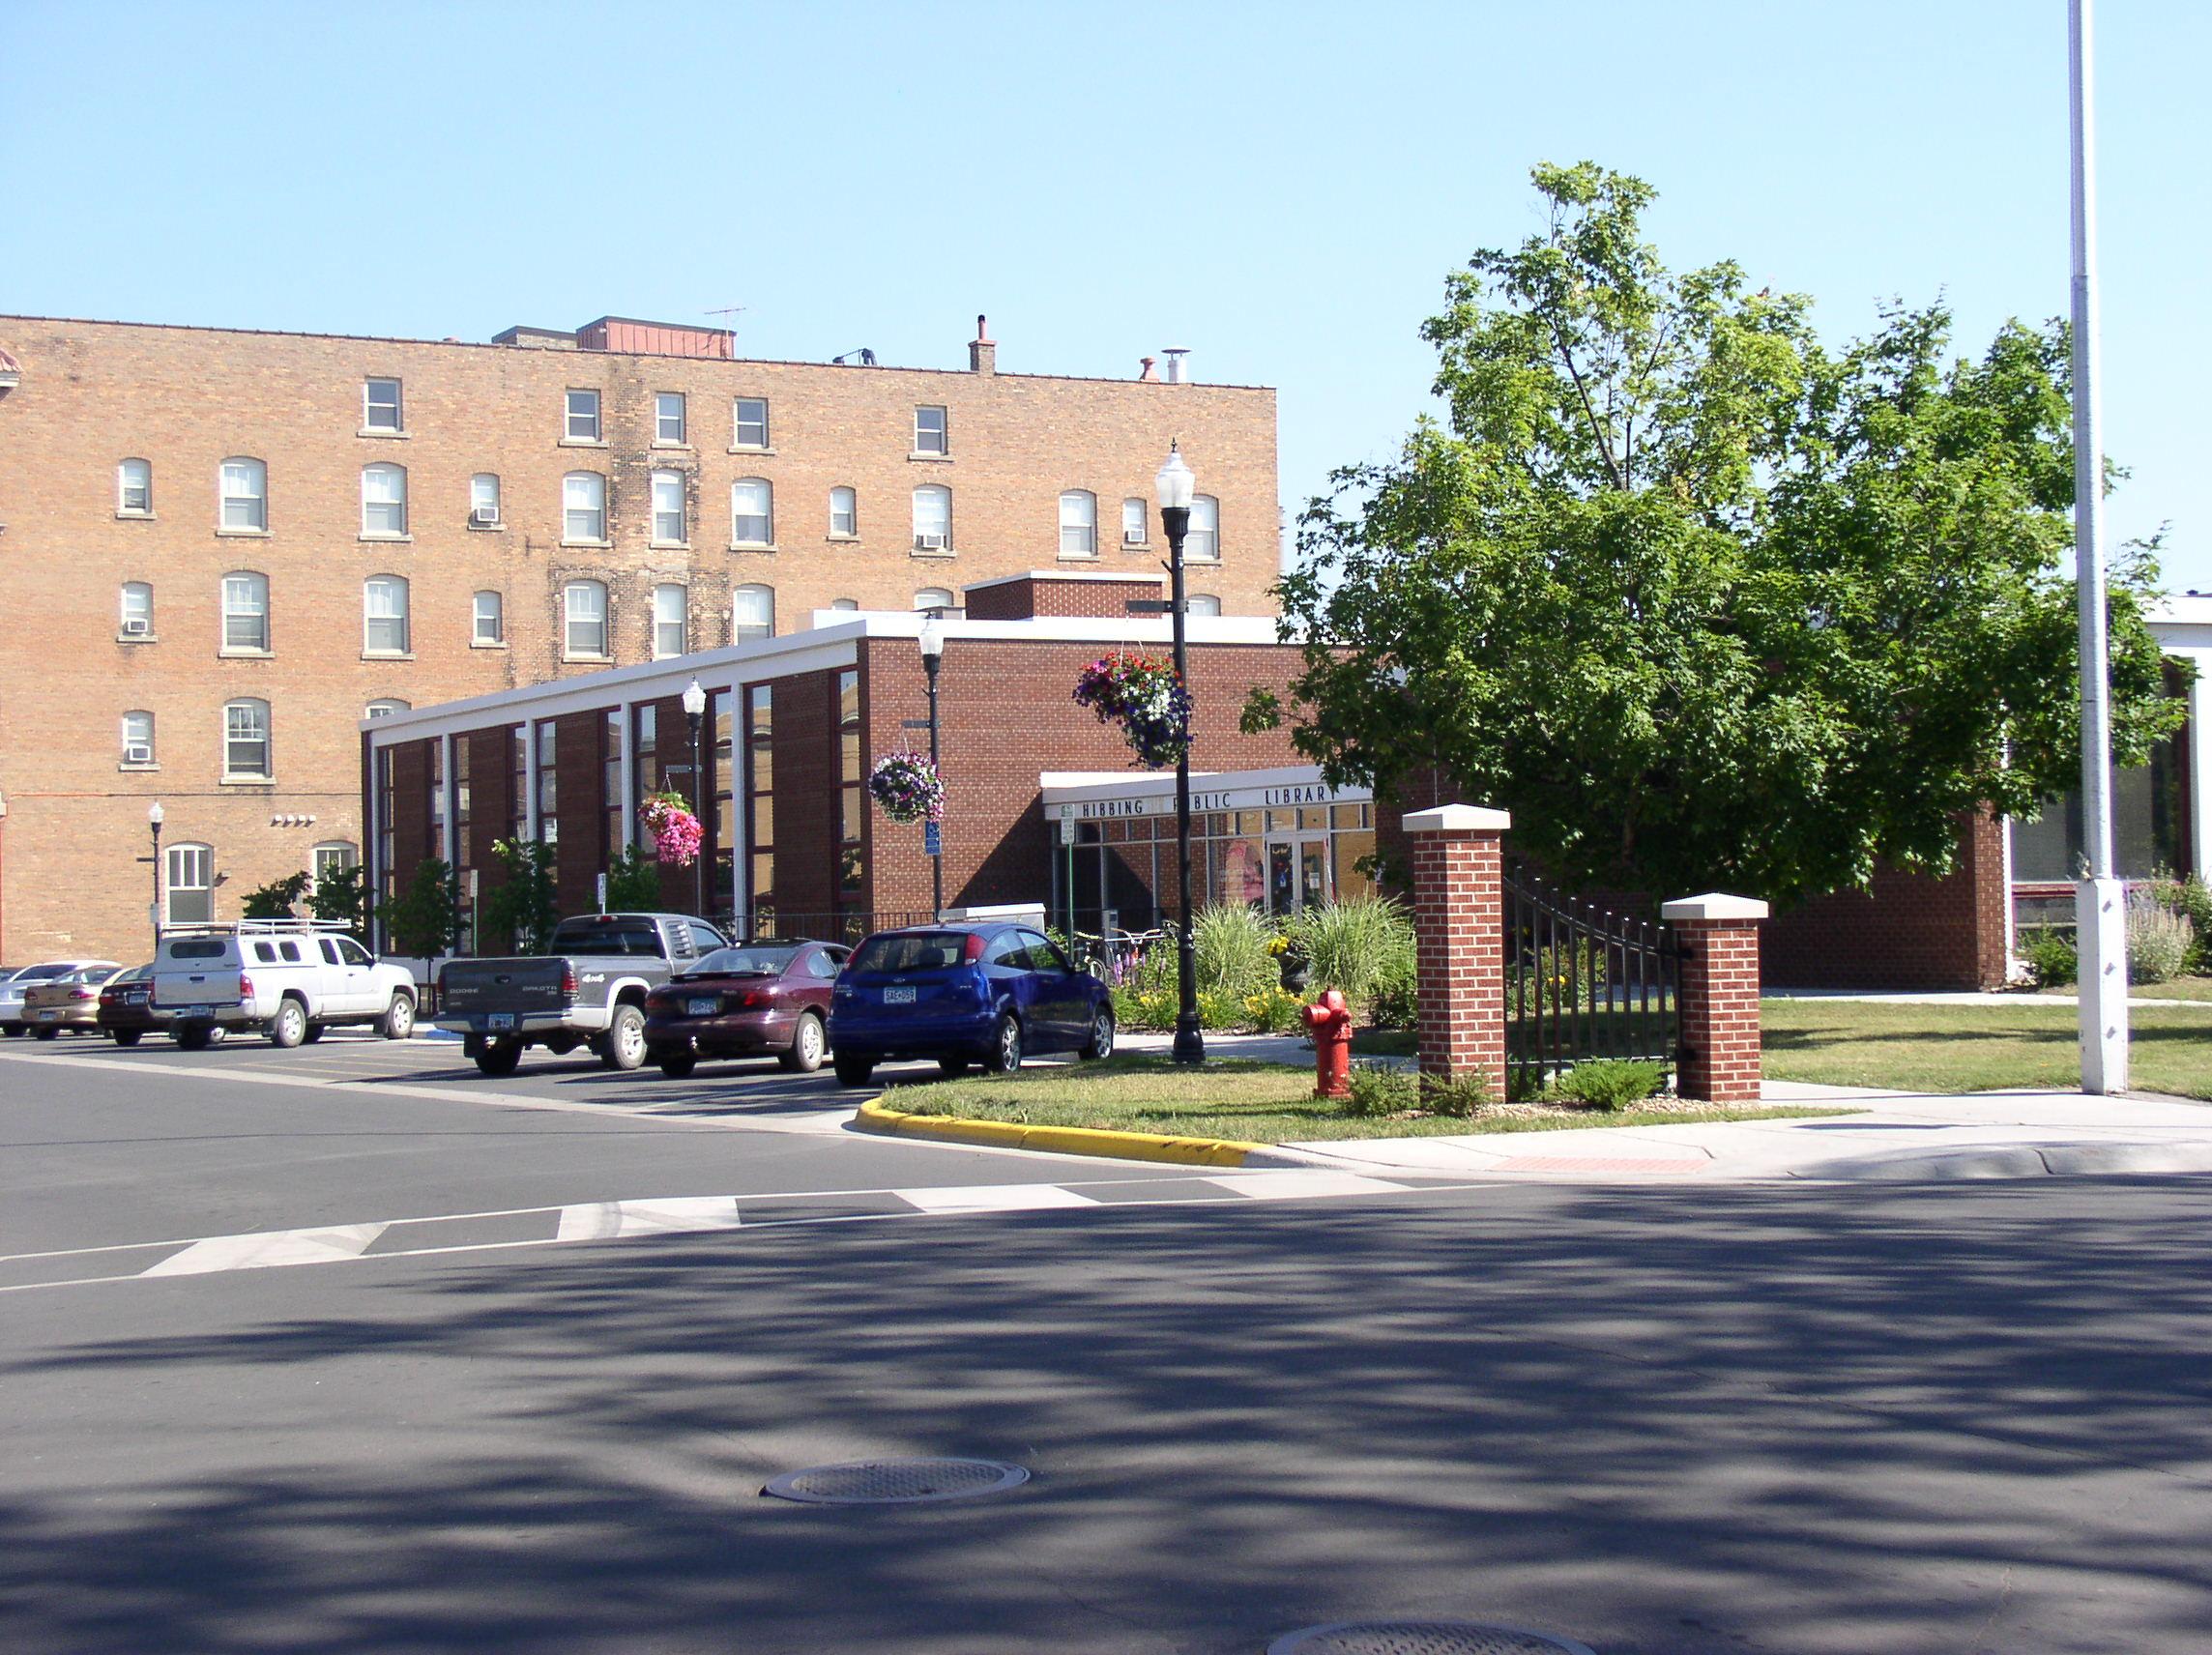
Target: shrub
(634,882)
(1610,1084)
(1272,1011)
(2191,897)
(523,905)
(343,895)
(1217,1009)
(2051,956)
(277,899)
(1382,1089)
(424,921)
(1148,1011)
(2160,940)
(1355,947)
(1460,1096)
(1232,943)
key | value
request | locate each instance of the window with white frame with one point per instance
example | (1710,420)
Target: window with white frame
(931,435)
(243,487)
(138,739)
(484,500)
(668,509)
(748,418)
(1136,521)
(584,507)
(189,893)
(380,405)
(245,741)
(1203,543)
(134,488)
(384,501)
(844,513)
(386,708)
(246,612)
(384,616)
(584,611)
(844,603)
(1203,603)
(932,519)
(668,417)
(583,418)
(137,617)
(671,617)
(752,512)
(1078,524)
(334,857)
(933,598)
(490,621)
(752,612)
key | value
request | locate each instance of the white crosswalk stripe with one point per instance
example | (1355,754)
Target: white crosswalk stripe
(276,1247)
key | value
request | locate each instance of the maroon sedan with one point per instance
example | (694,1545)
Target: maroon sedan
(763,997)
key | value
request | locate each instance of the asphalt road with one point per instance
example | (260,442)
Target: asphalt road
(1968,1417)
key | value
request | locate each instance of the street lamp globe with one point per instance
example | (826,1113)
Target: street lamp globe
(153,813)
(1176,482)
(932,637)
(694,700)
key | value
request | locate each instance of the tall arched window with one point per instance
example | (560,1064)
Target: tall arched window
(668,508)
(671,621)
(243,487)
(1202,545)
(137,618)
(384,500)
(752,512)
(245,741)
(932,518)
(134,488)
(138,739)
(584,507)
(246,611)
(189,891)
(1078,524)
(584,618)
(384,616)
(752,612)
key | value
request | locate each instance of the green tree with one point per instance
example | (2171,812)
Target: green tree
(424,919)
(342,895)
(634,883)
(1703,603)
(522,906)
(277,899)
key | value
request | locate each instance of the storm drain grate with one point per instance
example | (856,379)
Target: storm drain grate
(1422,1638)
(897,1482)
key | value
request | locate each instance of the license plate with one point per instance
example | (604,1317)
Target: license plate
(500,1020)
(195,1010)
(702,1007)
(898,996)
(47,1016)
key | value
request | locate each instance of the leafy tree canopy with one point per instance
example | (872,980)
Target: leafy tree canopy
(1703,602)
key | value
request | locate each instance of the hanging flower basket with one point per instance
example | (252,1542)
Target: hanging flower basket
(908,786)
(1142,695)
(676,832)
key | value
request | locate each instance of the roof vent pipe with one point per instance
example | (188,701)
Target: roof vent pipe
(1147,372)
(1178,373)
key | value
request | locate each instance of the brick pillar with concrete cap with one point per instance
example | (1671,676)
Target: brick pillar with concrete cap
(1719,996)
(1459,919)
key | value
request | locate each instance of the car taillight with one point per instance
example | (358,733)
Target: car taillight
(245,986)
(973,951)
(567,980)
(107,996)
(81,994)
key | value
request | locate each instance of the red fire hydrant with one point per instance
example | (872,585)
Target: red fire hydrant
(1330,1021)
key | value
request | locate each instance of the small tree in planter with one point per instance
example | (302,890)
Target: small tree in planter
(523,905)
(424,921)
(1142,694)
(279,899)
(343,895)
(634,882)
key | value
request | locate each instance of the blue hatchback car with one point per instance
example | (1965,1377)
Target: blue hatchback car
(964,993)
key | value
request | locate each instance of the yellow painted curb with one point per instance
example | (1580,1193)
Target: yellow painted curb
(876,1116)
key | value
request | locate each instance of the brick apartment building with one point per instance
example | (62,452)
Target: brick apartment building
(237,544)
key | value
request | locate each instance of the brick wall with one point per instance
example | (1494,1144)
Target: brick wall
(1027,600)
(1459,921)
(95,393)
(1719,1004)
(1910,931)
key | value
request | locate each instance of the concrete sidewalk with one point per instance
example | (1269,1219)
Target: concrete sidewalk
(1898,1136)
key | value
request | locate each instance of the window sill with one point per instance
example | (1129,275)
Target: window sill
(1139,546)
(587,660)
(137,638)
(668,447)
(247,781)
(591,545)
(922,456)
(137,770)
(385,432)
(1077,558)
(135,516)
(487,642)
(754,546)
(399,539)
(246,654)
(583,443)
(488,528)
(243,533)
(940,554)
(842,540)
(388,654)
(748,450)
(668,546)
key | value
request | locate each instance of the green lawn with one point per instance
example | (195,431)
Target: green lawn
(2180,988)
(1260,1103)
(2009,1043)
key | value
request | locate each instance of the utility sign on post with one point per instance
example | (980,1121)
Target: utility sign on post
(1067,823)
(932,840)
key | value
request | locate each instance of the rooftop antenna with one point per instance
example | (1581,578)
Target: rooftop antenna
(866,356)
(730,330)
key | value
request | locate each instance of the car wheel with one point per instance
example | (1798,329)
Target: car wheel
(854,1069)
(289,1027)
(624,1047)
(314,1032)
(952,1068)
(1005,1054)
(1101,1042)
(14,1031)
(677,1065)
(48,1033)
(399,1020)
(499,1057)
(192,1037)
(807,1044)
(129,1036)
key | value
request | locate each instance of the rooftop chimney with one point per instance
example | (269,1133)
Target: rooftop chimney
(982,351)
(1177,373)
(1146,374)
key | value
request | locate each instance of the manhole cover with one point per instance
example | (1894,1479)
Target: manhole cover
(1422,1638)
(897,1482)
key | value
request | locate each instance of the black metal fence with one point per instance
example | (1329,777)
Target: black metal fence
(846,927)
(1583,983)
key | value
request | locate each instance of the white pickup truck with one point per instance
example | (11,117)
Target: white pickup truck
(292,977)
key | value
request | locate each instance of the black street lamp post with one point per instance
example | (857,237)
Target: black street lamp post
(933,658)
(154,815)
(1176,487)
(694,713)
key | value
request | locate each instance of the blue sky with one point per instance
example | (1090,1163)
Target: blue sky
(1280,187)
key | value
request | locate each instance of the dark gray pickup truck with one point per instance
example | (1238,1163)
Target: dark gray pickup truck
(588,990)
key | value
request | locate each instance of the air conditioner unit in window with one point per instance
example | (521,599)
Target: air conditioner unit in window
(1133,536)
(483,517)
(138,626)
(137,753)
(930,543)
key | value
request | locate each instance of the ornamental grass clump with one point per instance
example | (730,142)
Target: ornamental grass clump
(908,786)
(1231,943)
(1356,947)
(1142,694)
(2160,940)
